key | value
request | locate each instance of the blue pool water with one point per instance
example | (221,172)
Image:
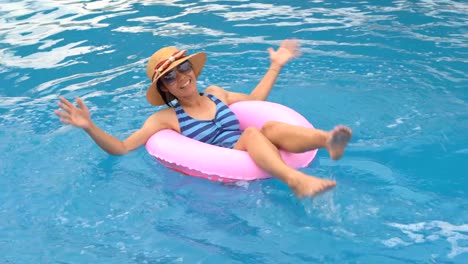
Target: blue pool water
(394,71)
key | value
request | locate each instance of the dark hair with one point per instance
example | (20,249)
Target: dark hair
(165,95)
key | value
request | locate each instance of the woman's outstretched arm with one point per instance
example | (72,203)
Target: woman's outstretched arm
(289,49)
(80,117)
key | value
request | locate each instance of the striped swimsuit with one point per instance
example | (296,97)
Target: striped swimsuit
(223,130)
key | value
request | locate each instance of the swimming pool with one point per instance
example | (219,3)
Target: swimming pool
(395,72)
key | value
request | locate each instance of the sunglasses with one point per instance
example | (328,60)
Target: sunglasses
(171,76)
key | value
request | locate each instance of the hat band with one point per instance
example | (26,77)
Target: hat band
(163,65)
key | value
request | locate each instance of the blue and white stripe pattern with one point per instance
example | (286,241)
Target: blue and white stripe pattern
(223,130)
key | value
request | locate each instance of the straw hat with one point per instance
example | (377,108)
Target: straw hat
(164,60)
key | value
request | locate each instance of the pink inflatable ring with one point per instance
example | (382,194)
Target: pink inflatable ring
(198,159)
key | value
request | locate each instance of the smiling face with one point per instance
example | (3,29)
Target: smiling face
(180,81)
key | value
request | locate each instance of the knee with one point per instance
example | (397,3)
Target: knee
(254,134)
(269,127)
(251,132)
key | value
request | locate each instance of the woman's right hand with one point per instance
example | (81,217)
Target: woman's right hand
(76,116)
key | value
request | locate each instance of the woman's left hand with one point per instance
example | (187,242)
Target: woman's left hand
(289,49)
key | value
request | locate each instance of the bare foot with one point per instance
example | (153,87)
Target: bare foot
(305,185)
(339,138)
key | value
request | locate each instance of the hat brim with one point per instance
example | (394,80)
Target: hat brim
(197,60)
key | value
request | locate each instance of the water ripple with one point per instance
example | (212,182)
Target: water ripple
(394,71)
(431,231)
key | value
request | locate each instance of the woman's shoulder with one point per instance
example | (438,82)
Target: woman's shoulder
(217,91)
(164,119)
(213,89)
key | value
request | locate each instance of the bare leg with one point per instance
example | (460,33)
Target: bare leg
(300,139)
(266,155)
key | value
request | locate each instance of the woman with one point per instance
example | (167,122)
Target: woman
(205,117)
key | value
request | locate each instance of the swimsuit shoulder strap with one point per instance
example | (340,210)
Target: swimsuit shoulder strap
(179,110)
(215,99)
